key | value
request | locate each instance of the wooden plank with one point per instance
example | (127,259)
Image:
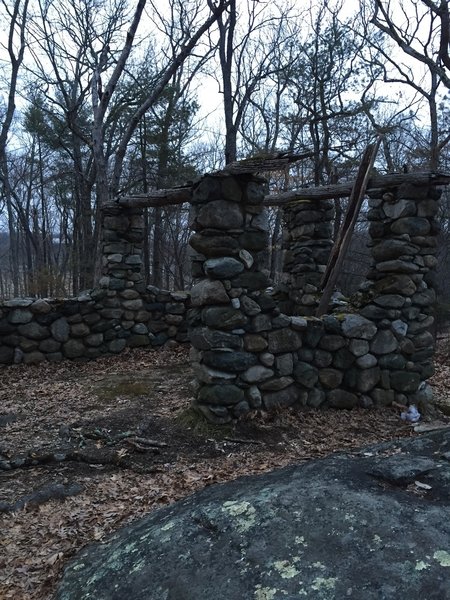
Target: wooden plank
(342,242)
(339,190)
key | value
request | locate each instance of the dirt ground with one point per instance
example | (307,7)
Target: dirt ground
(87,447)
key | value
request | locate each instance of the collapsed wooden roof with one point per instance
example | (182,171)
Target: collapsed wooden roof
(276,162)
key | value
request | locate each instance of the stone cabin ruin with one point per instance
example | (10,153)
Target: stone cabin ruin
(253,348)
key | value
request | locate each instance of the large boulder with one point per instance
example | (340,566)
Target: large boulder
(373,524)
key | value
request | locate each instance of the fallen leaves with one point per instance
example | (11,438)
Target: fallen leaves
(55,403)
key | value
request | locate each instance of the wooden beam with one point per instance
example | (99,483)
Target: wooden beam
(342,190)
(339,190)
(157,198)
(342,242)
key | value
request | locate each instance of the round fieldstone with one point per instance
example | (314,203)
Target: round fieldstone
(223,268)
(212,246)
(224,394)
(330,378)
(223,318)
(74,349)
(34,331)
(229,361)
(284,397)
(221,214)
(411,225)
(20,316)
(205,338)
(356,326)
(384,342)
(342,399)
(209,292)
(306,374)
(257,374)
(284,340)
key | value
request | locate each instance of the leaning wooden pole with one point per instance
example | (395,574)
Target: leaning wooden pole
(343,240)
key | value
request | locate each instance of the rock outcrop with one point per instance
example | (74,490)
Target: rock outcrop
(372,525)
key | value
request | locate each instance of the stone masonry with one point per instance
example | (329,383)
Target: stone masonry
(248,355)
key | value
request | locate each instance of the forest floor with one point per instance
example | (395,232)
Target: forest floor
(86,448)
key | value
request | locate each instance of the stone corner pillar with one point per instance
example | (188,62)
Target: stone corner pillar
(229,242)
(307,241)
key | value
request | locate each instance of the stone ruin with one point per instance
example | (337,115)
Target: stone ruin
(254,347)
(247,354)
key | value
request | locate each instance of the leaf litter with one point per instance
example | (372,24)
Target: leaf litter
(99,419)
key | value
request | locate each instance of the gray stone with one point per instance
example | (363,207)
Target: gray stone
(221,214)
(224,394)
(359,347)
(249,306)
(40,307)
(254,396)
(384,342)
(424,298)
(284,364)
(254,343)
(368,379)
(223,318)
(389,249)
(94,340)
(240,409)
(322,358)
(392,361)
(49,345)
(330,378)
(257,374)
(207,375)
(74,349)
(33,358)
(405,381)
(279,383)
(397,266)
(342,399)
(413,226)
(223,268)
(343,359)
(219,415)
(205,338)
(19,316)
(399,327)
(6,355)
(79,329)
(390,301)
(251,280)
(215,245)
(382,397)
(424,340)
(284,340)
(267,359)
(261,322)
(299,323)
(316,398)
(34,331)
(135,304)
(246,258)
(355,326)
(331,342)
(306,374)
(138,341)
(400,208)
(229,361)
(396,284)
(18,302)
(285,397)
(209,292)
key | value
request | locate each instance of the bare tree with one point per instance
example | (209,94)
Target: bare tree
(16,15)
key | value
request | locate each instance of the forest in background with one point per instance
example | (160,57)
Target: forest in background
(107,97)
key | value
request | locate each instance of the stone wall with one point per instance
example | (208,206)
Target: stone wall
(248,355)
(95,323)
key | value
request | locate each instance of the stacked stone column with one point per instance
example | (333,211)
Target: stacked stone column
(235,350)
(307,242)
(399,296)
(123,239)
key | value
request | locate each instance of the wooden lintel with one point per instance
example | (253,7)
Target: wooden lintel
(339,190)
(342,190)
(157,198)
